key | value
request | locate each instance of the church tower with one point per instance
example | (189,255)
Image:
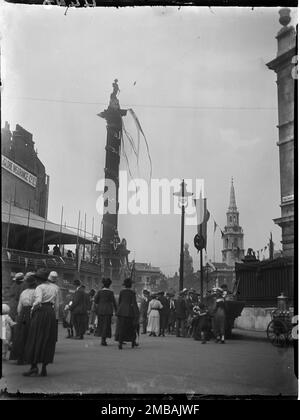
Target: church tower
(233,236)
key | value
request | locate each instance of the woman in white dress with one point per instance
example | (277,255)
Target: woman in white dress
(153,316)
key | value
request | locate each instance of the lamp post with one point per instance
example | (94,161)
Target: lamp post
(182,195)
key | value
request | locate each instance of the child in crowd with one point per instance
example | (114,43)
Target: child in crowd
(7,324)
(67,319)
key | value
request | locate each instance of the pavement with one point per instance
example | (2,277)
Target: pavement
(246,365)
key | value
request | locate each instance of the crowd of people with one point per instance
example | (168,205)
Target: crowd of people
(185,315)
(30,319)
(30,328)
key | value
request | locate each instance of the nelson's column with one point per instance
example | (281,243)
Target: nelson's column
(113,253)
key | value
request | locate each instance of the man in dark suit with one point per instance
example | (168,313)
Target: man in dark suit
(79,310)
(163,313)
(144,310)
(181,314)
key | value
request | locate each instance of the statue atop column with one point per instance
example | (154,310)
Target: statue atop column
(114,102)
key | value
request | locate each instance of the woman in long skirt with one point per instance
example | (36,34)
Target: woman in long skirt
(153,316)
(106,304)
(128,316)
(23,320)
(40,346)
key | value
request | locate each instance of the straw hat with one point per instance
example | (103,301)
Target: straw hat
(18,277)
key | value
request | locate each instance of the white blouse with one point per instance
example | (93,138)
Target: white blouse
(46,292)
(26,299)
(155,305)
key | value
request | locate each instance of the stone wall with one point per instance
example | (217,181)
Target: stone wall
(255,319)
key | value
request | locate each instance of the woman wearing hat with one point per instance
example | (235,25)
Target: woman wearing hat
(153,316)
(14,294)
(40,345)
(106,305)
(23,324)
(128,316)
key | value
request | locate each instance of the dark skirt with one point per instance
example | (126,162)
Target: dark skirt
(21,331)
(80,323)
(126,329)
(41,341)
(200,324)
(104,326)
(219,322)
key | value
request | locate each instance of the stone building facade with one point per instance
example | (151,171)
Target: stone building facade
(284,66)
(24,180)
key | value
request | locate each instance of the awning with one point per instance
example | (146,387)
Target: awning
(20,218)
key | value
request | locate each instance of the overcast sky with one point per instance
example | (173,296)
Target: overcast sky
(203,94)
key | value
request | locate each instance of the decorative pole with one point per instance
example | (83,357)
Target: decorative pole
(183,195)
(8,225)
(113,116)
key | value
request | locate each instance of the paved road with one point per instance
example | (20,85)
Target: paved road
(245,365)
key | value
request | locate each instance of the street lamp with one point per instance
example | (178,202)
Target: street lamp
(182,195)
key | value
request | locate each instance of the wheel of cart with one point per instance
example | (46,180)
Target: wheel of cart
(278,332)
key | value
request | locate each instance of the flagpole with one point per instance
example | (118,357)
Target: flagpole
(214,245)
(201,268)
(63,247)
(99,253)
(61,222)
(77,243)
(92,238)
(83,255)
(8,225)
(43,241)
(27,235)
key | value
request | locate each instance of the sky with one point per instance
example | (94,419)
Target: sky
(198,82)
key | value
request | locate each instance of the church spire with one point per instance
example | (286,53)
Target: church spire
(233,236)
(232,202)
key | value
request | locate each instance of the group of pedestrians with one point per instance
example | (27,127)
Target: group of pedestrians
(185,315)
(84,310)
(31,333)
(30,320)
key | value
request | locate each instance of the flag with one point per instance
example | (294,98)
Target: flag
(215,226)
(8,255)
(202,217)
(26,262)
